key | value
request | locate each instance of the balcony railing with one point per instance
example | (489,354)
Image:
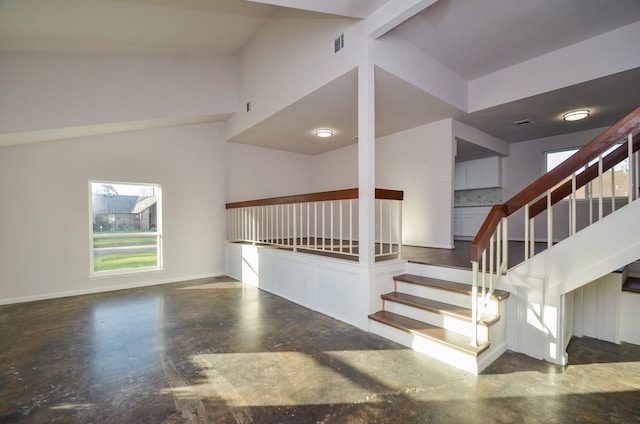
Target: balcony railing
(324,223)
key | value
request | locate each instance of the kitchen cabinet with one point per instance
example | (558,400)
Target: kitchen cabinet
(477,173)
(467,221)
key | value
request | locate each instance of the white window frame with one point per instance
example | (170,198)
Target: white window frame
(157,233)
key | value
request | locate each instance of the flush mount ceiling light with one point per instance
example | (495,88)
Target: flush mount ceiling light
(576,115)
(324,132)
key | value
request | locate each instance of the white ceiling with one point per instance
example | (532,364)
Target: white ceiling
(469,36)
(466,36)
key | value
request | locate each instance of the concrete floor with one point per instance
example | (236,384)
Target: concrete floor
(213,351)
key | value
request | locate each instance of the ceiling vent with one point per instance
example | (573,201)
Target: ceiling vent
(338,43)
(522,122)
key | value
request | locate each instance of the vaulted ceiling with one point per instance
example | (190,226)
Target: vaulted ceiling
(471,38)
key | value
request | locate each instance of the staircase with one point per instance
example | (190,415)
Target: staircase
(433,316)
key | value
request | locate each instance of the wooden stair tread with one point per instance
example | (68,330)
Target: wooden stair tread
(449,338)
(446,285)
(437,307)
(632,284)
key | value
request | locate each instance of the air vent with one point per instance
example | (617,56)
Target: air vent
(338,43)
(522,122)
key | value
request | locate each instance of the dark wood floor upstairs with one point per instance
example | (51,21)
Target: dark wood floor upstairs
(460,256)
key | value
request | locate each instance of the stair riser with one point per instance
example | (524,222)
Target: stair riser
(445,296)
(442,273)
(458,325)
(433,349)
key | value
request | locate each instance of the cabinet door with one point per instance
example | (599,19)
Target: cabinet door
(490,172)
(460,176)
(468,226)
(471,220)
(474,174)
(457,223)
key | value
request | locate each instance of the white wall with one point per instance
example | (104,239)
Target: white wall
(335,170)
(525,164)
(289,58)
(44,205)
(257,173)
(418,161)
(44,91)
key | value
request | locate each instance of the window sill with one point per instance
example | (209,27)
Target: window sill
(123,272)
(595,199)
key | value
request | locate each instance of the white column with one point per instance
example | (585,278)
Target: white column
(366,157)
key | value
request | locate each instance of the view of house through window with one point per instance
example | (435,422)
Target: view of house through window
(125,227)
(615,182)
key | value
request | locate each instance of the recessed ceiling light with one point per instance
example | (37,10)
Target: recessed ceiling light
(324,132)
(576,115)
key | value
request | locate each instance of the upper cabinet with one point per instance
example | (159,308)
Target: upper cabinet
(478,173)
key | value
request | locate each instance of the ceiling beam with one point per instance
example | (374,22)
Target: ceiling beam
(393,13)
(358,9)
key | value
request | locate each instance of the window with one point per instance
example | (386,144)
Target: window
(615,182)
(125,227)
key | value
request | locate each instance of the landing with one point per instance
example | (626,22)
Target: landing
(460,256)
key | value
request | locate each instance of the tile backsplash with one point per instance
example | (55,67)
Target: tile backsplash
(478,197)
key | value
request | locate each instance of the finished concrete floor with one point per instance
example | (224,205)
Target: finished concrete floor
(215,351)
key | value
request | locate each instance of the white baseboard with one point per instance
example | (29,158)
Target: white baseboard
(93,290)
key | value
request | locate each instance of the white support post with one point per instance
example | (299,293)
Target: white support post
(308,228)
(590,194)
(474,304)
(350,225)
(492,242)
(613,189)
(380,226)
(526,231)
(366,155)
(253,224)
(630,158)
(636,161)
(341,238)
(601,186)
(572,219)
(505,243)
(549,220)
(323,226)
(295,227)
(532,247)
(390,203)
(399,229)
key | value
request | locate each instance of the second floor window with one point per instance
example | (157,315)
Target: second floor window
(615,182)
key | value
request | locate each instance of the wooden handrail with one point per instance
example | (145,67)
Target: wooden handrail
(586,176)
(557,175)
(350,193)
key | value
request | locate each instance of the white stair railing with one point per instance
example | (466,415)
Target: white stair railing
(618,147)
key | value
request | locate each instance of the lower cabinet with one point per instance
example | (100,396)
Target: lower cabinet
(468,220)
